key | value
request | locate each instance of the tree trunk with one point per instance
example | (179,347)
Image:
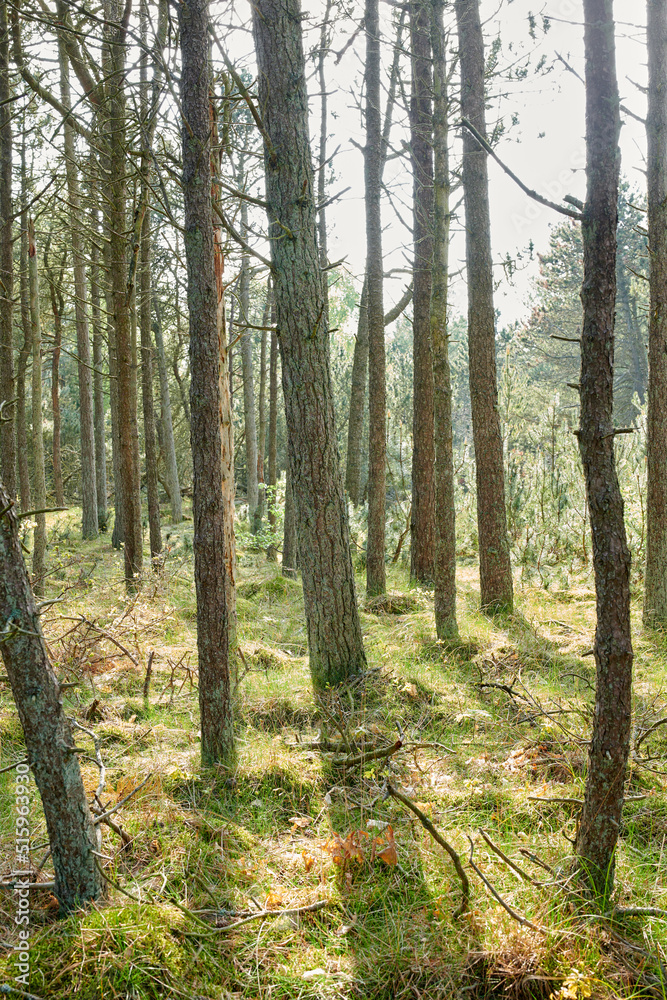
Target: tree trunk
(118,533)
(252,489)
(334,631)
(98,378)
(445,516)
(39,480)
(655,585)
(89,524)
(355,424)
(150,443)
(272,481)
(57,307)
(494,558)
(608,752)
(422,524)
(261,405)
(114,146)
(290,557)
(7,441)
(169,447)
(48,736)
(208,506)
(376,581)
(25,352)
(322,155)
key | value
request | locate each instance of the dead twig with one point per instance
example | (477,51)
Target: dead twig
(426,823)
(110,812)
(496,895)
(508,861)
(363,757)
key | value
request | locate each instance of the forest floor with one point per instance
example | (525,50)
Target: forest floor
(493,732)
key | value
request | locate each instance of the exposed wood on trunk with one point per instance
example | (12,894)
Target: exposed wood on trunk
(48,736)
(334,632)
(252,488)
(357,402)
(494,559)
(57,309)
(272,480)
(98,362)
(608,752)
(208,505)
(655,583)
(24,356)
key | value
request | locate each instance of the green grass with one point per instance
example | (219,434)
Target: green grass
(224,843)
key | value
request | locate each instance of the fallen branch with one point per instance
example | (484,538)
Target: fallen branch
(10,767)
(262,914)
(110,812)
(639,911)
(496,895)
(426,823)
(508,861)
(363,757)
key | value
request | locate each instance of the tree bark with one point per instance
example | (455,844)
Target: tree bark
(608,752)
(445,516)
(261,407)
(422,524)
(169,447)
(355,424)
(494,558)
(272,480)
(290,556)
(48,736)
(334,631)
(7,419)
(89,523)
(57,308)
(39,479)
(215,691)
(25,352)
(376,581)
(98,378)
(655,583)
(252,488)
(114,146)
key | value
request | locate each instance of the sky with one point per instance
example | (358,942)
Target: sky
(545,148)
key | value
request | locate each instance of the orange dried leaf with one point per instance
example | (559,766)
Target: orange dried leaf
(308,860)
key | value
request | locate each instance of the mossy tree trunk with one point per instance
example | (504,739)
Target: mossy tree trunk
(600,819)
(334,631)
(48,737)
(7,441)
(208,505)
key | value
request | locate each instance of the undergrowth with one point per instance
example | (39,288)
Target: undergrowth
(490,725)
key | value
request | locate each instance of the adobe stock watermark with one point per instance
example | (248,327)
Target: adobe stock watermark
(21,874)
(554,189)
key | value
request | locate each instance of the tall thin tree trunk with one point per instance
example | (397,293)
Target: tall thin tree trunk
(422,524)
(494,557)
(334,631)
(145,262)
(89,523)
(114,144)
(169,447)
(290,556)
(377,403)
(272,481)
(98,378)
(252,489)
(355,422)
(7,439)
(39,480)
(445,517)
(655,584)
(600,819)
(26,348)
(324,126)
(47,732)
(215,691)
(261,406)
(57,307)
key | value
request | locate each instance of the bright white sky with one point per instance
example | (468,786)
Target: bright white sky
(545,148)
